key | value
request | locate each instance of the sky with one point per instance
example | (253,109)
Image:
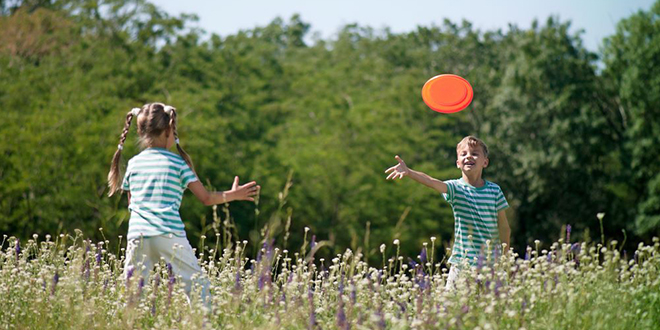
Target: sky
(597,18)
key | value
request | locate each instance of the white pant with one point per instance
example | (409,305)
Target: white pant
(147,251)
(454,274)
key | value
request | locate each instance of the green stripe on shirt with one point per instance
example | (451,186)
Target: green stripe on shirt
(156,179)
(475,213)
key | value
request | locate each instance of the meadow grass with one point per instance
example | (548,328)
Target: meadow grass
(72,283)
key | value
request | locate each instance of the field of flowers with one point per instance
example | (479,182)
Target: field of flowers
(68,282)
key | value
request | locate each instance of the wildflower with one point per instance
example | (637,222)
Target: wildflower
(382,248)
(129,273)
(140,286)
(153,300)
(396,242)
(341,315)
(480,261)
(600,215)
(353,293)
(17,249)
(422,256)
(575,248)
(568,233)
(312,312)
(237,280)
(56,279)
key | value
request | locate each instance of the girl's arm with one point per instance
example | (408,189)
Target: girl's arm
(400,170)
(503,228)
(237,193)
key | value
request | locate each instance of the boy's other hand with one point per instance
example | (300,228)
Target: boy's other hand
(399,170)
(244,192)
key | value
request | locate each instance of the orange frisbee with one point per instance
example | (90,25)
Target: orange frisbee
(447,93)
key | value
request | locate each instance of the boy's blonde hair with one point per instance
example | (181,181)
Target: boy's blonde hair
(472,142)
(153,120)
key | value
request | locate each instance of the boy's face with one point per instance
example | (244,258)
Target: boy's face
(471,160)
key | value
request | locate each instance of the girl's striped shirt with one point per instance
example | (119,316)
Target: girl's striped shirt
(475,218)
(156,179)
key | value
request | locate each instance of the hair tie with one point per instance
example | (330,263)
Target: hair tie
(120,147)
(168,109)
(176,140)
(135,111)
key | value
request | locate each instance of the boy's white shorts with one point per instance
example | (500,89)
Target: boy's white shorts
(145,252)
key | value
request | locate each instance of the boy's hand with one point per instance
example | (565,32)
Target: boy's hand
(244,192)
(400,170)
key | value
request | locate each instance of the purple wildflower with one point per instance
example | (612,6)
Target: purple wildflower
(17,249)
(170,271)
(283,299)
(568,233)
(341,315)
(129,274)
(465,309)
(381,317)
(237,280)
(170,283)
(98,258)
(480,261)
(56,279)
(312,312)
(153,301)
(527,256)
(86,269)
(140,285)
(498,285)
(422,256)
(341,284)
(575,249)
(353,293)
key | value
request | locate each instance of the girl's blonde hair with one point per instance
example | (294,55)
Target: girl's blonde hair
(152,120)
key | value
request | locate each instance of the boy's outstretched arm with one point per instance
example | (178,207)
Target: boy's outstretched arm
(400,170)
(245,192)
(503,228)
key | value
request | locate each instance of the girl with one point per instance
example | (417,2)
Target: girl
(155,180)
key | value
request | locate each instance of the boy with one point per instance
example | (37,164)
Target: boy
(478,204)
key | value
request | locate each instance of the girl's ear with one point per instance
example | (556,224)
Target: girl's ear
(486,162)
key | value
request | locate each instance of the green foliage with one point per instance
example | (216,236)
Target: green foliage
(632,58)
(567,140)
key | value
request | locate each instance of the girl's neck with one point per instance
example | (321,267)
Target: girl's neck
(157,144)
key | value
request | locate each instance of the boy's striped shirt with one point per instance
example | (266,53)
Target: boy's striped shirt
(475,218)
(156,179)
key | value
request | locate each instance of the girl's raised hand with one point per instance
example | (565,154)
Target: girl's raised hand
(399,170)
(244,192)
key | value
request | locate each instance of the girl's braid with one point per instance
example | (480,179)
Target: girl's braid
(115,175)
(182,153)
(127,125)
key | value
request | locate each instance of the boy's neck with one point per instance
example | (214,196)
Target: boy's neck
(473,179)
